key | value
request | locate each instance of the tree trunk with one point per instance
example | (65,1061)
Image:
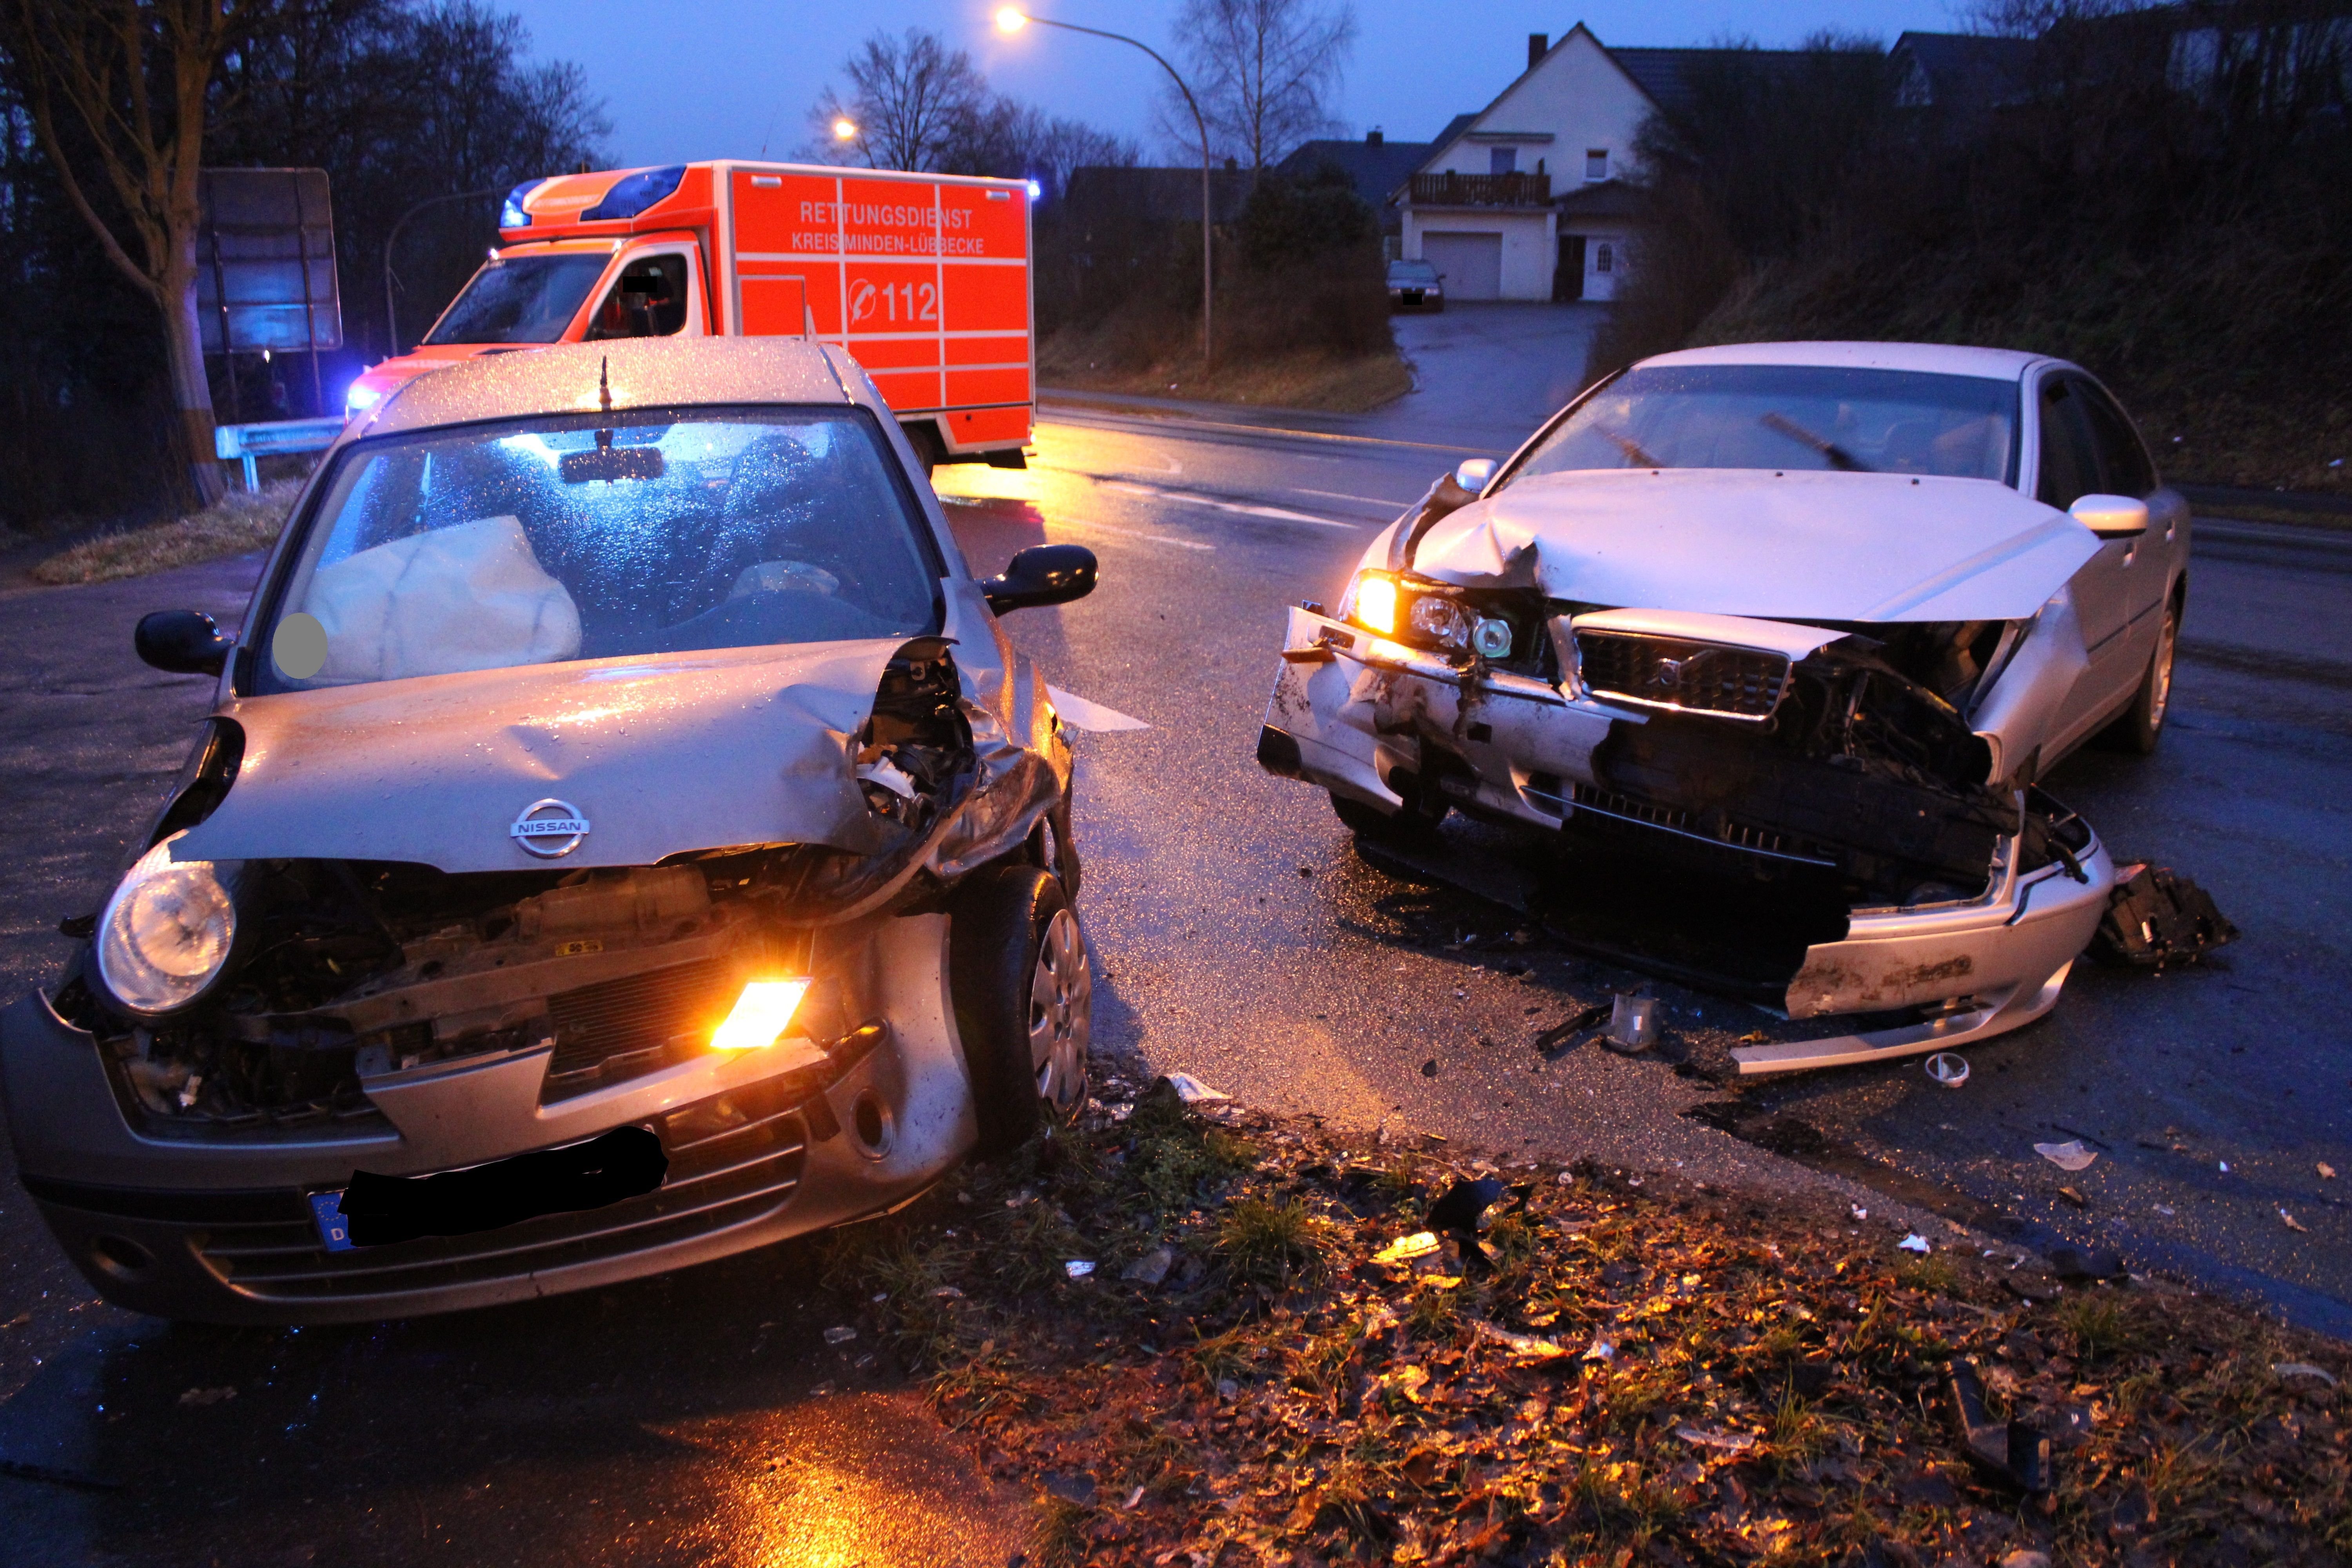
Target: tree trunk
(184,348)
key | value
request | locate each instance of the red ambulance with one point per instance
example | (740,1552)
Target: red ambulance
(924,279)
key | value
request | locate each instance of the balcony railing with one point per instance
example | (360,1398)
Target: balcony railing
(1481,190)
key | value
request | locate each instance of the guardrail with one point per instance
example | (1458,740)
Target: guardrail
(245,443)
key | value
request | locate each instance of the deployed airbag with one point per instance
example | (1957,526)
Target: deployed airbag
(468,597)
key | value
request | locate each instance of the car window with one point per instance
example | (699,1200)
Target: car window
(520,300)
(2070,462)
(573,537)
(1411,272)
(2124,466)
(1788,416)
(647,300)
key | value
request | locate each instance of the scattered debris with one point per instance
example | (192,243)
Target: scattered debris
(1858,1212)
(2167,1210)
(2293,1222)
(1151,1267)
(1428,1067)
(1530,1346)
(1599,1350)
(2076,1263)
(1134,1499)
(1556,1041)
(1730,1442)
(2068,1156)
(1190,1090)
(840,1335)
(2025,1557)
(948,1293)
(2011,1450)
(2075,1195)
(1463,1207)
(1948,1068)
(1916,1243)
(2305,1369)
(2156,916)
(2327,1171)
(202,1397)
(1078,1268)
(1633,1021)
(1071,1489)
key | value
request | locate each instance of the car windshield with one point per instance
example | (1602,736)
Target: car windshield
(520,300)
(1788,416)
(1411,272)
(548,540)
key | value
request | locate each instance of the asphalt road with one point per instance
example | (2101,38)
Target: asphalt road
(1239,936)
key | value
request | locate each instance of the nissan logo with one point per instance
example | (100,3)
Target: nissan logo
(548,828)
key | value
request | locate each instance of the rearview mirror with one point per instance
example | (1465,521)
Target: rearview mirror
(1476,474)
(1042,574)
(2111,517)
(182,642)
(612,464)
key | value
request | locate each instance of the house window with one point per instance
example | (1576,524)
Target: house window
(1502,160)
(1596,163)
(1604,257)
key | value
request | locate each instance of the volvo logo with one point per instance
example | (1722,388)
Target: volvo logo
(548,828)
(1670,671)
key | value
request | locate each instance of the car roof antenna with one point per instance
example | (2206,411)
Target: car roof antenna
(604,400)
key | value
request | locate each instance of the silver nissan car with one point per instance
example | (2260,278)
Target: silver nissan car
(622,837)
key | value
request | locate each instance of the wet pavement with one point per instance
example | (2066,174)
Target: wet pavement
(702,1417)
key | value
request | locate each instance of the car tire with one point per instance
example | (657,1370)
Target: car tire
(2140,726)
(1415,823)
(1023,993)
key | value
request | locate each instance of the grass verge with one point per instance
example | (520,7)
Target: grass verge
(1612,1373)
(239,521)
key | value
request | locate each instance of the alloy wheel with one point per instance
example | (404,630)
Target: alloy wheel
(1061,1016)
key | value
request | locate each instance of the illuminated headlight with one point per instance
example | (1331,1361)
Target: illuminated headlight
(1492,638)
(167,932)
(1441,621)
(761,1015)
(1371,603)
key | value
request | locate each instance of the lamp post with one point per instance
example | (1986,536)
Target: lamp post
(391,321)
(1011,20)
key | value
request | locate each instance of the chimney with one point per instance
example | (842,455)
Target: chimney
(1373,137)
(1539,45)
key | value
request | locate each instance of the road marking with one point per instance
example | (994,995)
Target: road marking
(1342,495)
(1081,714)
(1131,533)
(1280,514)
(1175,424)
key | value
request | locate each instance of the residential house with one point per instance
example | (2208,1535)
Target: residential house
(1376,166)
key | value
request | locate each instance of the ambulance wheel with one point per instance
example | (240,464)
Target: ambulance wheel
(1023,1001)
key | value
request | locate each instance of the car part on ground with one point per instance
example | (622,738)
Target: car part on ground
(1825,690)
(2155,917)
(476,959)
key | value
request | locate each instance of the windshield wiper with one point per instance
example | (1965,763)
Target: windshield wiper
(1634,452)
(1837,456)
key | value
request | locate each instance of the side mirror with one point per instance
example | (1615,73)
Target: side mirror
(1042,574)
(2111,517)
(1476,474)
(182,642)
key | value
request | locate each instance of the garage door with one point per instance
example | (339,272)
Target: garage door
(1471,263)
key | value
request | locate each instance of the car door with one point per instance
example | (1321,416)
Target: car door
(2068,467)
(2148,566)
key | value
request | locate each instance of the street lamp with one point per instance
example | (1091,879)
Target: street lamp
(1012,19)
(845,130)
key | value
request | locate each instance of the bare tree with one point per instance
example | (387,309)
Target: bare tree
(1267,70)
(1011,140)
(909,100)
(117,93)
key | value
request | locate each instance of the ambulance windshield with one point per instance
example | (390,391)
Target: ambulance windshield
(520,300)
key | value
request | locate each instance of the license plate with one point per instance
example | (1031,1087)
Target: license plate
(333,1229)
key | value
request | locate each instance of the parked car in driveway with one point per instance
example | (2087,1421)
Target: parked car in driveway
(1415,286)
(622,837)
(1815,616)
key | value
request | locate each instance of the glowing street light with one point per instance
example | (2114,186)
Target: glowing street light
(1012,19)
(845,130)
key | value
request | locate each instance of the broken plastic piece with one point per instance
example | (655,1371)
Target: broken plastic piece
(889,775)
(1151,1267)
(1078,1268)
(1633,1021)
(1555,1041)
(2293,1222)
(1405,1248)
(1916,1243)
(2155,916)
(1080,714)
(2327,1171)
(2013,1452)
(1948,1068)
(1601,1350)
(2068,1156)
(2304,1369)
(840,1336)
(1190,1090)
(1730,1442)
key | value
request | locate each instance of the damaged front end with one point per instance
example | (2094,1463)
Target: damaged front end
(771,1002)
(1816,789)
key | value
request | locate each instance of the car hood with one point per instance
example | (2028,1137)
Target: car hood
(660,755)
(1798,546)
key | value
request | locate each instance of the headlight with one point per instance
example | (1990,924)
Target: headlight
(167,932)
(1441,621)
(1371,603)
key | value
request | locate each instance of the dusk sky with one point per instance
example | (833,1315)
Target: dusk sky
(718,77)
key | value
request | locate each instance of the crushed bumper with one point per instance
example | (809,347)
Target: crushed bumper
(220,1228)
(1355,714)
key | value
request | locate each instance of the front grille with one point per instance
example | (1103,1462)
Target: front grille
(1675,672)
(716,1182)
(1722,831)
(623,1029)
